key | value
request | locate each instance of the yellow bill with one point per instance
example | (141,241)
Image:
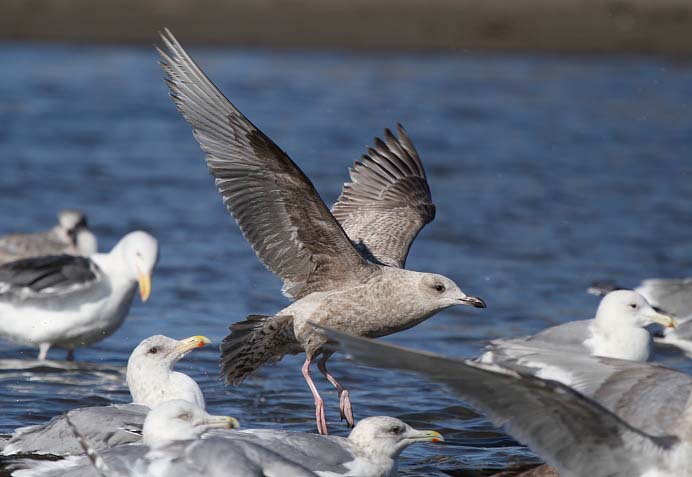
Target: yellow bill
(191,343)
(144,286)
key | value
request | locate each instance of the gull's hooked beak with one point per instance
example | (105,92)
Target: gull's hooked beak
(662,319)
(144,281)
(426,436)
(221,422)
(188,344)
(473,301)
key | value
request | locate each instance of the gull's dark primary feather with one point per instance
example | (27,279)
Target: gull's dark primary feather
(275,204)
(387,201)
(52,273)
(575,434)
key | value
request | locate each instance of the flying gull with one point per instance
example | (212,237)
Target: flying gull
(371,449)
(173,449)
(617,331)
(151,380)
(67,301)
(641,426)
(671,295)
(71,236)
(345,269)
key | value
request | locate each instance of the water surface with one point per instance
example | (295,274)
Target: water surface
(547,173)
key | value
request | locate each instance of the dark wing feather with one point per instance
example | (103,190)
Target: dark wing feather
(387,201)
(568,430)
(52,274)
(275,204)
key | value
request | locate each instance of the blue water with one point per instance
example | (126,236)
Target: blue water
(547,172)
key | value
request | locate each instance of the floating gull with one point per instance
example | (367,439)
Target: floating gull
(151,379)
(71,236)
(358,287)
(371,449)
(645,430)
(67,301)
(173,448)
(671,295)
(617,331)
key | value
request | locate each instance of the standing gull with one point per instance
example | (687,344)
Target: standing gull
(345,275)
(617,331)
(71,236)
(151,380)
(68,301)
(644,431)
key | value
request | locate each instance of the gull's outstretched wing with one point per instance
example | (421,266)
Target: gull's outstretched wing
(387,201)
(672,295)
(275,204)
(568,430)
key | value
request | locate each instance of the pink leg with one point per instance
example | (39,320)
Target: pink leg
(319,402)
(344,399)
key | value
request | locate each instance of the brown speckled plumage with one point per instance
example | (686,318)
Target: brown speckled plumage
(387,201)
(70,236)
(342,273)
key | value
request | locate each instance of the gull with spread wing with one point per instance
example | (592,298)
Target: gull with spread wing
(344,268)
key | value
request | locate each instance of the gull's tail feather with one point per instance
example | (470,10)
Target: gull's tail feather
(258,340)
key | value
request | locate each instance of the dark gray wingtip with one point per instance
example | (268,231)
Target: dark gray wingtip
(603,287)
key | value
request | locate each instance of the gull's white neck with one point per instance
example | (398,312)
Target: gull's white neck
(151,385)
(619,341)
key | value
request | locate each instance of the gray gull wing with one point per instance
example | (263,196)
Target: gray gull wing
(41,277)
(629,389)
(387,201)
(276,206)
(568,336)
(101,426)
(212,457)
(671,295)
(318,453)
(571,432)
(17,246)
(217,457)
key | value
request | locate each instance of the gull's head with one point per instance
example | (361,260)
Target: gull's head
(71,220)
(178,420)
(151,362)
(140,251)
(629,308)
(443,292)
(72,224)
(388,436)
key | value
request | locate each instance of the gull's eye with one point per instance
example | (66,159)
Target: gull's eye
(396,429)
(184,417)
(633,306)
(153,350)
(440,287)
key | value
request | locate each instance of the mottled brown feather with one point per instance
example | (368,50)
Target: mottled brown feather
(276,206)
(387,201)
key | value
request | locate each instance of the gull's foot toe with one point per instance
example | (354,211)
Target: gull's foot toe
(345,408)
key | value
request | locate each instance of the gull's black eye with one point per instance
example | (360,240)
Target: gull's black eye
(440,287)
(153,350)
(396,429)
(633,306)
